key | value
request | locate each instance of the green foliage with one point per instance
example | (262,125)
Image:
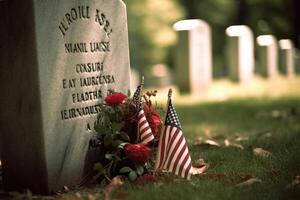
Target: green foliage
(150,31)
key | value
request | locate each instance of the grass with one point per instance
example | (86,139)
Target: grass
(271,124)
(268,118)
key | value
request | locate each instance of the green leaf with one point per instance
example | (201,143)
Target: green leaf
(124,137)
(109,156)
(139,170)
(121,146)
(100,129)
(124,170)
(128,93)
(116,127)
(116,143)
(132,175)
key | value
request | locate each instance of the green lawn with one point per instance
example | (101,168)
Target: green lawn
(271,124)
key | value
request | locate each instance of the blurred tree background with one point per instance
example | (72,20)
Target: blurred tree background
(152,38)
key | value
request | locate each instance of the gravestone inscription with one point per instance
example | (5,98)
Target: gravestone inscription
(63,58)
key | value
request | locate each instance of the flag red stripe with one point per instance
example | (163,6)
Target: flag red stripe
(144,137)
(188,171)
(174,151)
(182,164)
(178,158)
(162,149)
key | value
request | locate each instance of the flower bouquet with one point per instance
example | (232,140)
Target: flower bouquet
(127,132)
(130,131)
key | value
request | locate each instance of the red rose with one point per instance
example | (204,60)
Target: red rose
(138,153)
(115,99)
(153,119)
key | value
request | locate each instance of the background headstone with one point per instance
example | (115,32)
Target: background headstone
(240,53)
(159,76)
(194,56)
(268,59)
(287,57)
(62,58)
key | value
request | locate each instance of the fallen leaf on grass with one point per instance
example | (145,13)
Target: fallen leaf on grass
(261,152)
(200,166)
(197,141)
(249,182)
(239,139)
(226,142)
(229,144)
(211,143)
(206,143)
(110,188)
(200,170)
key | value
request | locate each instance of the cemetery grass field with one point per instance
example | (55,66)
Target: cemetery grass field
(271,124)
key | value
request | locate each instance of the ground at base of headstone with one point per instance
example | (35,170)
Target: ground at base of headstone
(252,147)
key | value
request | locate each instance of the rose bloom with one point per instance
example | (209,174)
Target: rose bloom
(115,99)
(138,153)
(153,119)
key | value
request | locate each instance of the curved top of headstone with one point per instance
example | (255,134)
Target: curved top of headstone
(189,24)
(285,44)
(238,30)
(265,40)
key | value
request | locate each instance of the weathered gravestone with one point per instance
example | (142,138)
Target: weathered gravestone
(240,53)
(268,59)
(193,57)
(61,59)
(286,53)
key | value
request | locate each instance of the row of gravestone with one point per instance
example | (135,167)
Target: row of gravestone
(58,60)
(194,55)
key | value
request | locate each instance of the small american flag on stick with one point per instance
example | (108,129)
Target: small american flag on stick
(173,154)
(144,132)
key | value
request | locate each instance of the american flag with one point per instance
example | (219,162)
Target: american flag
(173,154)
(145,134)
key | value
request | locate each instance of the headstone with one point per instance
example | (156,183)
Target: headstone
(135,80)
(159,76)
(194,56)
(286,57)
(62,58)
(240,53)
(268,59)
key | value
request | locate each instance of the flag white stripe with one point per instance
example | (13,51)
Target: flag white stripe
(145,141)
(176,156)
(180,162)
(185,167)
(178,136)
(144,128)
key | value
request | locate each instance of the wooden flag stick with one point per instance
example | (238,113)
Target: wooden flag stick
(142,85)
